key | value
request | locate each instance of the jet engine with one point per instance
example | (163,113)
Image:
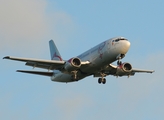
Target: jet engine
(72,64)
(124,69)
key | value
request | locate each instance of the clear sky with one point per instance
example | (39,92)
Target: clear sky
(27,26)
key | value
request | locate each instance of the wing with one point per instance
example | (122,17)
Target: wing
(45,64)
(143,71)
(120,71)
(40,63)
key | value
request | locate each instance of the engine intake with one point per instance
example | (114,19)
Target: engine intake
(124,69)
(72,64)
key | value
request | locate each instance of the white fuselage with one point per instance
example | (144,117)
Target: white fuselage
(98,56)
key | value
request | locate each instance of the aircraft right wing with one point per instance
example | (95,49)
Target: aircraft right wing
(40,63)
(45,64)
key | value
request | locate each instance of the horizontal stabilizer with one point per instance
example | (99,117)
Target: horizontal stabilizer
(36,72)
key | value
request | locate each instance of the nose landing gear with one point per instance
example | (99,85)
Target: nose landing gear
(119,62)
(119,57)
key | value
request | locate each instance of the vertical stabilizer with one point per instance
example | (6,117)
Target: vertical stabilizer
(55,55)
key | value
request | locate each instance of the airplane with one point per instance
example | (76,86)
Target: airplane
(97,61)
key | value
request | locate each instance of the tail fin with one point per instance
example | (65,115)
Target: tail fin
(55,55)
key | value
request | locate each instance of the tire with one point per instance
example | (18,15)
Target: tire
(99,80)
(104,81)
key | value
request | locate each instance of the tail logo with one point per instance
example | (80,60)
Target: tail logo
(56,56)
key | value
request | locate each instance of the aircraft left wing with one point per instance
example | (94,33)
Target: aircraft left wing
(141,70)
(123,70)
(40,63)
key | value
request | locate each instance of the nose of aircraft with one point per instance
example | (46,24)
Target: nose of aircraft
(125,46)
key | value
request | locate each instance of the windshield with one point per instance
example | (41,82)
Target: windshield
(118,39)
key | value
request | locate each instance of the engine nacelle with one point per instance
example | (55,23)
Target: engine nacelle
(124,69)
(72,64)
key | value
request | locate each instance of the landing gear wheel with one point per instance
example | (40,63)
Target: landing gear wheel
(104,81)
(119,62)
(99,80)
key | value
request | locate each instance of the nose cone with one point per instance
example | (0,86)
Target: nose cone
(125,47)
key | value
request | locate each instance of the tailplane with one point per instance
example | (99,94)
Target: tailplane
(55,55)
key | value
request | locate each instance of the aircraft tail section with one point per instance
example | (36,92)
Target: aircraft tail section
(55,55)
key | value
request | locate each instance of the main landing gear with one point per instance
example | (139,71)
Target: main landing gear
(74,76)
(101,80)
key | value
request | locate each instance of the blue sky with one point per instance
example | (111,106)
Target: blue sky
(27,26)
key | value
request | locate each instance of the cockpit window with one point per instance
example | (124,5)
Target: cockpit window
(122,39)
(118,39)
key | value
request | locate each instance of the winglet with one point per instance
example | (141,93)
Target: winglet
(7,57)
(55,55)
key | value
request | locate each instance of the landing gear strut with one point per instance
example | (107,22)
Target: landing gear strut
(74,76)
(119,58)
(119,62)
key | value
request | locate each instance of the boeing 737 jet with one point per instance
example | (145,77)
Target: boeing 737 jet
(96,61)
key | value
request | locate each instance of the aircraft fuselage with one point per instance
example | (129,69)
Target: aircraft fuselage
(99,57)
